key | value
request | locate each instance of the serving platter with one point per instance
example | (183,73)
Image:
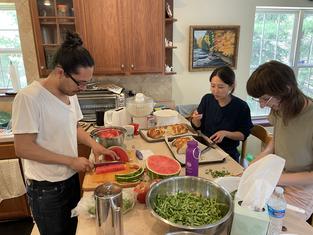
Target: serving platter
(211,154)
(144,133)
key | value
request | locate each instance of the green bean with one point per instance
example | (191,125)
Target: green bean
(189,209)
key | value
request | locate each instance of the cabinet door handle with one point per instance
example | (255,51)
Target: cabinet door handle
(132,66)
(42,67)
(122,66)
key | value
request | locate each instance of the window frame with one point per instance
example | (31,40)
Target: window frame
(10,6)
(295,46)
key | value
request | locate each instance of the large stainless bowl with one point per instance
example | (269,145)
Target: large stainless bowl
(189,184)
(109,141)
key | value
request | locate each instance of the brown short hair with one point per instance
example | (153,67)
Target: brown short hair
(278,80)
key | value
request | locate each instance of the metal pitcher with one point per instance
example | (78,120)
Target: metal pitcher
(109,209)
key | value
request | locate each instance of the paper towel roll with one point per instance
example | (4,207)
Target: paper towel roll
(14,77)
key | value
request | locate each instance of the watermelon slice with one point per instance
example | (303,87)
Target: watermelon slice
(110,168)
(161,167)
(120,152)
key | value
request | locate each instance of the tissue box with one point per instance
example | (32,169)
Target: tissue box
(247,222)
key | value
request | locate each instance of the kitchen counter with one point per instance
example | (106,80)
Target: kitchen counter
(6,137)
(140,221)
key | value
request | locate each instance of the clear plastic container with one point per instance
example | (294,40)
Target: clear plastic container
(276,206)
(139,105)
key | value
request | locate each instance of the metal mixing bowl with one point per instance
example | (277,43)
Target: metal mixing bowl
(200,186)
(109,141)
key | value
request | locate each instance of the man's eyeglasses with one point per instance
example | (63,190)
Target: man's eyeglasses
(262,100)
(78,83)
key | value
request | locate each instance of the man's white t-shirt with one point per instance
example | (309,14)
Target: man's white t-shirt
(36,110)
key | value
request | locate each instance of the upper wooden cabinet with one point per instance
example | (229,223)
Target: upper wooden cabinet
(51,19)
(123,36)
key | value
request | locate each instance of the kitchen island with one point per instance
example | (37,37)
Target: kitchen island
(140,221)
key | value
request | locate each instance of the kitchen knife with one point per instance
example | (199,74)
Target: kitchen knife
(202,140)
(96,164)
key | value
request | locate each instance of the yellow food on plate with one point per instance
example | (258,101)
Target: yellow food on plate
(181,144)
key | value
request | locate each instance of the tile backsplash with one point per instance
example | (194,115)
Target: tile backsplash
(157,87)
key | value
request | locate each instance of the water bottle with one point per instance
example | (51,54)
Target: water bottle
(247,160)
(192,158)
(276,207)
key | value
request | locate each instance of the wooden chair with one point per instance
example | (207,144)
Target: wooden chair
(259,132)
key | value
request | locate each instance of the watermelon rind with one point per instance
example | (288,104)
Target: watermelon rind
(131,178)
(153,174)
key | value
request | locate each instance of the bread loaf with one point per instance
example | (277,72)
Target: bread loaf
(181,144)
(176,129)
(171,130)
(156,132)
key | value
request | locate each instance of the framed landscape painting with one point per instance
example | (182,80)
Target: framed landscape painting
(213,46)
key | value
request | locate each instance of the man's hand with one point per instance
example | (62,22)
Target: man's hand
(81,164)
(98,150)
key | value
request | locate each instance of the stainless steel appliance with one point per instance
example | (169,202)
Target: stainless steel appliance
(91,101)
(109,205)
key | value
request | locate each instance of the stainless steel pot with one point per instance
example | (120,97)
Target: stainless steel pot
(198,186)
(109,204)
(118,140)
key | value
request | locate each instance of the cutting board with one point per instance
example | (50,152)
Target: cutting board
(92,180)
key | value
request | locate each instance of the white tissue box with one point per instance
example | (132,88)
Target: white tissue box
(248,222)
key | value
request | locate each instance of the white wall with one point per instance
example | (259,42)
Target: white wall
(189,87)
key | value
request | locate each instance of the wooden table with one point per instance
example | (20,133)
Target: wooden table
(140,221)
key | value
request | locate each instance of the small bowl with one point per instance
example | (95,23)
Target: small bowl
(109,136)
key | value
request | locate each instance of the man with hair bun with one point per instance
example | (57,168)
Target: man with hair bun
(45,119)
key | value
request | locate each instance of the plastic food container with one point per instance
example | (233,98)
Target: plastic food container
(166,117)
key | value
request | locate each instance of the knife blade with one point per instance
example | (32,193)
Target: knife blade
(96,164)
(203,141)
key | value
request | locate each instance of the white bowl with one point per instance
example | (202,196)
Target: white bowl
(230,183)
(166,117)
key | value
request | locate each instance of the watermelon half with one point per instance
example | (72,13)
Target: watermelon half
(119,152)
(161,167)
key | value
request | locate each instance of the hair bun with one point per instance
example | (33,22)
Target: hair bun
(72,40)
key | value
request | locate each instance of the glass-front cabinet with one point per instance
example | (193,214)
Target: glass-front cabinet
(51,20)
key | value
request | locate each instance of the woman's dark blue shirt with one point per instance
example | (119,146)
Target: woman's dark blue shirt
(235,116)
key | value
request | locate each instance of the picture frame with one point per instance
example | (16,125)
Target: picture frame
(212,46)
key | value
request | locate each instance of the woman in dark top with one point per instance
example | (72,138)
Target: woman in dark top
(221,116)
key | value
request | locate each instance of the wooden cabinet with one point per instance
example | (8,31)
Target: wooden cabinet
(124,36)
(51,19)
(169,44)
(16,207)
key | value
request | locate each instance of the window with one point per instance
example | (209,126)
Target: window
(285,35)
(10,47)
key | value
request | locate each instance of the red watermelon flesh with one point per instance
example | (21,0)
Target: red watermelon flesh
(110,168)
(120,152)
(163,165)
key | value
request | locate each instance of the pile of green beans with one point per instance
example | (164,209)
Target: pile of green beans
(189,209)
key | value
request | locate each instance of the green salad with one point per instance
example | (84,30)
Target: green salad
(189,209)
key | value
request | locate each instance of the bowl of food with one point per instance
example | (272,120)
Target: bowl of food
(191,203)
(109,136)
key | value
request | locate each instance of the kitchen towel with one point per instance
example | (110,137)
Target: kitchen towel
(11,180)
